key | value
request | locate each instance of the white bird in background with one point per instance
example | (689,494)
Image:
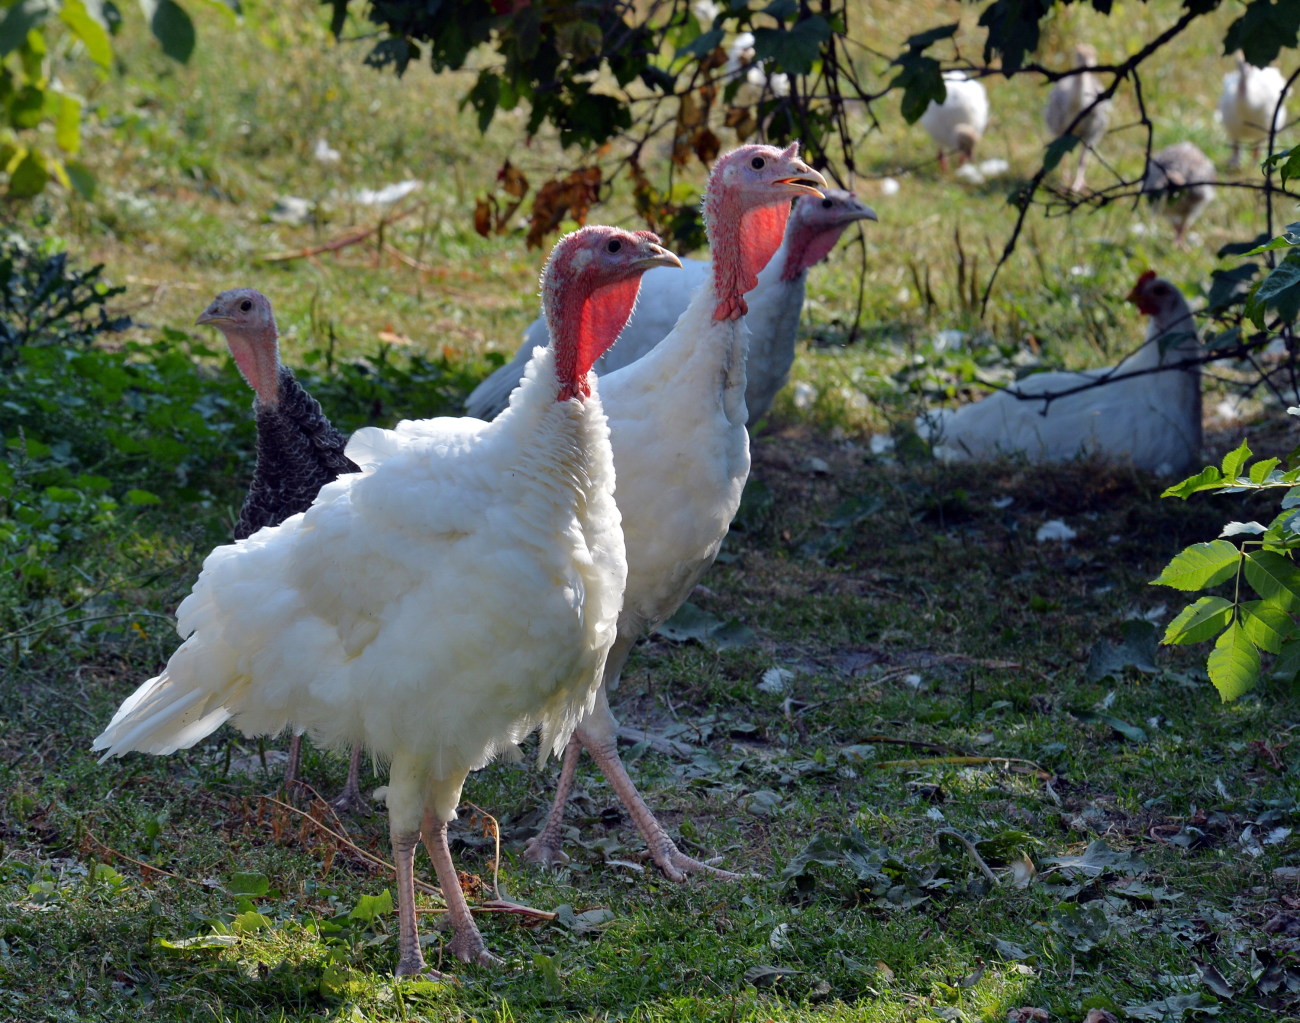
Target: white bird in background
(957,124)
(755,84)
(677,425)
(1179,182)
(775,303)
(298,450)
(1068,98)
(461,590)
(1251,100)
(1141,415)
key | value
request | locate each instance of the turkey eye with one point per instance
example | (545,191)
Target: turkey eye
(614,246)
(758,163)
(245,305)
(826,204)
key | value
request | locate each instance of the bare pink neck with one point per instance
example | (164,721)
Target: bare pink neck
(257,354)
(742,242)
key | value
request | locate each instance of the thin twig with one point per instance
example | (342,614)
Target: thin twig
(974,853)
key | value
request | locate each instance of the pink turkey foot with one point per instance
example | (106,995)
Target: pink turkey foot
(351,797)
(543,849)
(675,864)
(292,761)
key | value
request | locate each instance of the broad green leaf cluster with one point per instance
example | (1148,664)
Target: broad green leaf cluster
(36,108)
(1255,560)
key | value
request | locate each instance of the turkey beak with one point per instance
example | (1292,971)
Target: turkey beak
(657,255)
(211,315)
(805,181)
(863,212)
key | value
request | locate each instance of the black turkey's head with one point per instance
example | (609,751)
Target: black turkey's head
(244,317)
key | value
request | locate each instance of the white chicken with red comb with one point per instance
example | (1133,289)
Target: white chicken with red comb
(459,591)
(1138,413)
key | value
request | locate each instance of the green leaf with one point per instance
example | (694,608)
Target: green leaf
(1274,577)
(246,923)
(1209,478)
(1233,664)
(1130,731)
(703,44)
(794,49)
(202,941)
(1287,666)
(18,20)
(691,623)
(67,122)
(1136,650)
(171,26)
(81,178)
(251,883)
(924,40)
(1200,565)
(922,83)
(369,907)
(1264,30)
(1280,290)
(1056,150)
(29,178)
(1199,621)
(1266,625)
(1260,470)
(86,26)
(1234,460)
(136,496)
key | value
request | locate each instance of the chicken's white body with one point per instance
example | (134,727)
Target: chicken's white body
(775,305)
(964,110)
(1249,104)
(1151,420)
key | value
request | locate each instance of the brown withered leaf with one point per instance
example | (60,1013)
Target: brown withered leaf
(483,217)
(707,146)
(512,180)
(742,121)
(713,59)
(572,196)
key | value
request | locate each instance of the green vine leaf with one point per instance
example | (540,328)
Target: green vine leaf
(1233,663)
(1200,565)
(1234,461)
(1209,478)
(1199,621)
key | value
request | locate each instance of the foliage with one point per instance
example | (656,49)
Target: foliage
(36,38)
(44,301)
(1260,556)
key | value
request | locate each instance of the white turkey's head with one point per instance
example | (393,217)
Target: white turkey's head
(816,225)
(746,206)
(589,288)
(1085,55)
(244,317)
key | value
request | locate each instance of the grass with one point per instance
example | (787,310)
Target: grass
(937,653)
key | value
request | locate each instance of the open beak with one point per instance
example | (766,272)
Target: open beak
(806,182)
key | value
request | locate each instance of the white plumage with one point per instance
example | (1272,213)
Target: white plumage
(1179,182)
(957,124)
(1249,103)
(677,426)
(460,590)
(1068,98)
(815,225)
(1151,419)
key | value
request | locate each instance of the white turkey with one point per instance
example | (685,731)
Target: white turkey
(677,426)
(957,124)
(1179,182)
(461,590)
(754,83)
(815,225)
(1251,101)
(298,450)
(1070,96)
(1142,415)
